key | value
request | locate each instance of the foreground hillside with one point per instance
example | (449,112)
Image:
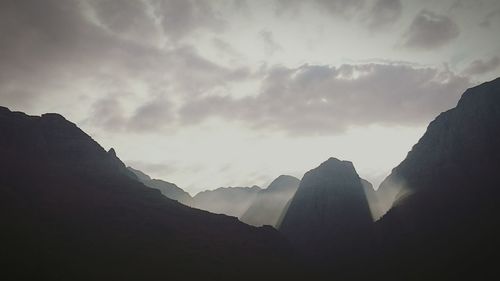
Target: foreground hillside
(445,217)
(71,211)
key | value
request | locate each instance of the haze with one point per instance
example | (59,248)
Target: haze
(234,93)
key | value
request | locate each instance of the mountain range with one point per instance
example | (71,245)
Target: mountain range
(252,205)
(232,201)
(166,188)
(72,211)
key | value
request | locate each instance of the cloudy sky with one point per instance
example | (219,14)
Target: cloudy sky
(234,93)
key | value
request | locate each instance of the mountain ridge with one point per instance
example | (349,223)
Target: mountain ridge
(168,189)
(67,205)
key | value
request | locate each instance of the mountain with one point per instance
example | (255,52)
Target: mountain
(329,214)
(445,196)
(231,201)
(168,189)
(268,206)
(70,211)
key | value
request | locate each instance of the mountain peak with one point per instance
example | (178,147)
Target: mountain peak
(283,181)
(328,209)
(112,152)
(53,116)
(334,163)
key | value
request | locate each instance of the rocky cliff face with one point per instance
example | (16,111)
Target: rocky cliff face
(168,189)
(231,201)
(329,213)
(269,204)
(69,212)
(444,218)
(459,148)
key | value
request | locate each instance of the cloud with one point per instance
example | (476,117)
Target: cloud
(181,17)
(342,8)
(223,48)
(55,52)
(127,18)
(478,67)
(337,8)
(49,47)
(384,12)
(373,14)
(79,51)
(489,18)
(429,31)
(270,44)
(108,113)
(322,99)
(152,116)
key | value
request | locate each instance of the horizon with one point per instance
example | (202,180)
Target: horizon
(236,93)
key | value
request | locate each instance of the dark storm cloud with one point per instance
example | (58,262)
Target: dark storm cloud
(478,67)
(430,30)
(317,99)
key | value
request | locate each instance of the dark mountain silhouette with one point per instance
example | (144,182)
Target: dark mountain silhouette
(231,201)
(444,222)
(329,215)
(168,189)
(268,206)
(70,211)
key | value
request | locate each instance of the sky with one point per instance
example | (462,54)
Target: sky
(217,93)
